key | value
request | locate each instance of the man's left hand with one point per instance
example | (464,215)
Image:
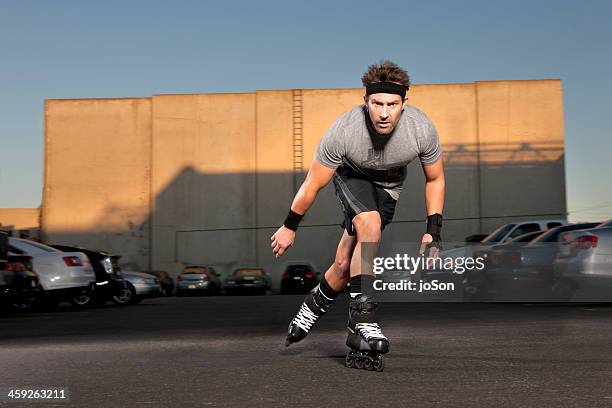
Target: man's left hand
(434,246)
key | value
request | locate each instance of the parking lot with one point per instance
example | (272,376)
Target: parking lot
(228,351)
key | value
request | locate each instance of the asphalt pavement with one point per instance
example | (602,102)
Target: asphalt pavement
(229,352)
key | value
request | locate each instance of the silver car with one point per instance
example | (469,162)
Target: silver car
(142,285)
(584,262)
(503,234)
(62,275)
(196,279)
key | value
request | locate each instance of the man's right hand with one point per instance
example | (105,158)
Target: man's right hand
(281,240)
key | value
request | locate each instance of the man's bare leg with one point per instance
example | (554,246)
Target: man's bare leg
(318,301)
(368,227)
(338,274)
(366,341)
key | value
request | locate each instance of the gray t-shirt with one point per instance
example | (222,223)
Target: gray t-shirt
(349,143)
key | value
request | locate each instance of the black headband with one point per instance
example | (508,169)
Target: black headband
(387,87)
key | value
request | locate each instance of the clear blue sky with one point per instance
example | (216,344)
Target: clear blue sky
(77,49)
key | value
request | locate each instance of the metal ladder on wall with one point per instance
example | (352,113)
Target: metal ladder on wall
(298,141)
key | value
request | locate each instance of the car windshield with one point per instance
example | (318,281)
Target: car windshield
(498,234)
(527,237)
(299,268)
(41,247)
(249,272)
(195,269)
(605,224)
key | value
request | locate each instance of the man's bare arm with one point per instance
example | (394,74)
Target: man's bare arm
(434,187)
(318,176)
(434,200)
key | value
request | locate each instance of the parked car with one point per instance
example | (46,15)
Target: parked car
(525,272)
(520,241)
(510,231)
(141,285)
(109,282)
(475,283)
(4,247)
(605,224)
(247,281)
(63,276)
(584,260)
(19,287)
(504,233)
(166,281)
(473,239)
(197,279)
(298,277)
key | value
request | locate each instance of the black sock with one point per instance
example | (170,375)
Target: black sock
(327,290)
(361,284)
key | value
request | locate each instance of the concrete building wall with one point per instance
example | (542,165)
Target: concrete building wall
(203,182)
(224,168)
(96,189)
(19,218)
(21,221)
(521,150)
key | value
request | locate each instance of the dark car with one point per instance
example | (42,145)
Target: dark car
(298,278)
(476,238)
(524,271)
(19,286)
(475,281)
(166,281)
(196,279)
(4,248)
(110,284)
(247,281)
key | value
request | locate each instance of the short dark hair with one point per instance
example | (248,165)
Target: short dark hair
(386,71)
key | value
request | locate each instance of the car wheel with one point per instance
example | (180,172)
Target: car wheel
(82,298)
(126,295)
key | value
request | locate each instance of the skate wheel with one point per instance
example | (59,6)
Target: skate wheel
(379,363)
(369,364)
(359,363)
(350,361)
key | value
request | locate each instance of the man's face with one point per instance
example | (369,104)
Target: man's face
(384,110)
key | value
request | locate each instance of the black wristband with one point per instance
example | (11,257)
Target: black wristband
(293,220)
(434,227)
(434,224)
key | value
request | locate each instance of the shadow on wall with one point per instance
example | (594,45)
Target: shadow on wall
(226,220)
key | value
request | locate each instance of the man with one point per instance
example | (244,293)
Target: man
(366,152)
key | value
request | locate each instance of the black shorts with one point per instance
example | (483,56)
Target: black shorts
(357,194)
